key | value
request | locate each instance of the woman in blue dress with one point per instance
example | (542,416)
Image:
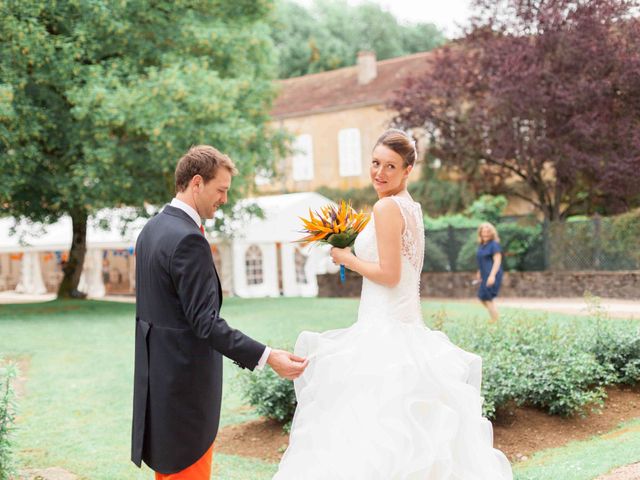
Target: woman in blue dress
(489,273)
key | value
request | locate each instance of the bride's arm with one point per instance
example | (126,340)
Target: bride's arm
(388,223)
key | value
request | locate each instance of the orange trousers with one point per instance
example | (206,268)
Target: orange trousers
(201,470)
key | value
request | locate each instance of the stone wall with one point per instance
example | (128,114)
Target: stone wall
(623,285)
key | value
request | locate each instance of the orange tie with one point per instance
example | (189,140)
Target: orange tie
(202,229)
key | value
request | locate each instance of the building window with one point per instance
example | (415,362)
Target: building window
(253,265)
(300,261)
(350,153)
(303,158)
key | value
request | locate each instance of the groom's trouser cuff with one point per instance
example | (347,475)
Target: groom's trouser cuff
(201,470)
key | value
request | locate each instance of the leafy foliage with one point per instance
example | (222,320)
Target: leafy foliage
(99,99)
(438,194)
(534,363)
(487,208)
(329,34)
(452,239)
(272,396)
(561,368)
(538,100)
(360,198)
(605,243)
(7,419)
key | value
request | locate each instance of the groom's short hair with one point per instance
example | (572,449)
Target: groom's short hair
(203,160)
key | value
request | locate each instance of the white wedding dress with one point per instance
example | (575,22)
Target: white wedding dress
(387,398)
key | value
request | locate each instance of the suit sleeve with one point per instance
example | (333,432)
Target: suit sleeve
(194,277)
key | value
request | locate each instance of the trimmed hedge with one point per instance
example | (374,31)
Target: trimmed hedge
(7,418)
(272,396)
(560,367)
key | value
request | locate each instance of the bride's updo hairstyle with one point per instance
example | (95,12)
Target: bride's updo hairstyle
(401,143)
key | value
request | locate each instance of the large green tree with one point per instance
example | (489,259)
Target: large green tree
(330,33)
(98,100)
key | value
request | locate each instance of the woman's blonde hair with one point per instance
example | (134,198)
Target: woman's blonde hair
(492,229)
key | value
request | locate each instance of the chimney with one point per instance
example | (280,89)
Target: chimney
(367,67)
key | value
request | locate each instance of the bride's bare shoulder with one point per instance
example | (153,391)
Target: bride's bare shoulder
(385,206)
(387,211)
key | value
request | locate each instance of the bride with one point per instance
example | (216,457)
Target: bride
(387,398)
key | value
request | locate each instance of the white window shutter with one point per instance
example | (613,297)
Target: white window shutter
(349,152)
(303,158)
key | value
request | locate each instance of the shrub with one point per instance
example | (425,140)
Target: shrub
(561,368)
(438,194)
(467,261)
(273,397)
(562,380)
(602,243)
(435,259)
(619,350)
(455,221)
(487,208)
(535,362)
(619,240)
(615,345)
(7,418)
(522,245)
(443,246)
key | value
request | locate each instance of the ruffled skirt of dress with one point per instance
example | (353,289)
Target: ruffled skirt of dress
(389,401)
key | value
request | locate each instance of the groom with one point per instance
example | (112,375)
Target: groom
(180,336)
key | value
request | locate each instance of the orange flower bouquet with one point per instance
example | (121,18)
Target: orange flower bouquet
(337,227)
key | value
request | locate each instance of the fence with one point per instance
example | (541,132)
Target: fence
(600,243)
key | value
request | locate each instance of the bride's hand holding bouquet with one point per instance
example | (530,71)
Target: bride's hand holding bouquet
(337,227)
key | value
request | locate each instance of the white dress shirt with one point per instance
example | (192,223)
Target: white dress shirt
(189,210)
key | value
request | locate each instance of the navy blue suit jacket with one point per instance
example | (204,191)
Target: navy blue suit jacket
(179,342)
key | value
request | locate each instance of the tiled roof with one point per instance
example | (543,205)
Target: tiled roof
(339,89)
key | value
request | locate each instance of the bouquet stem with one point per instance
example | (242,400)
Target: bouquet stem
(343,278)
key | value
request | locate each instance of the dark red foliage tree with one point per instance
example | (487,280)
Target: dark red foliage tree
(540,99)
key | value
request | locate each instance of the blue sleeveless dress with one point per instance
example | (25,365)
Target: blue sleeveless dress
(485,264)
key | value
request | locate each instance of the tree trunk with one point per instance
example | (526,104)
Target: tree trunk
(73,267)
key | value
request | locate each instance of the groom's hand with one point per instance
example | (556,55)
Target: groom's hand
(286,364)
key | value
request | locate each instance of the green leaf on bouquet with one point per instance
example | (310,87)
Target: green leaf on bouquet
(342,240)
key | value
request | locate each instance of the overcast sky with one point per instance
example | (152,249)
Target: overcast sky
(444,13)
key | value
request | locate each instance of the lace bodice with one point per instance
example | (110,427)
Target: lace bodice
(402,302)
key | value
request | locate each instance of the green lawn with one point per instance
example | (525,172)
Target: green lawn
(76,413)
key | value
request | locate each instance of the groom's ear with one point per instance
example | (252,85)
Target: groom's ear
(197,181)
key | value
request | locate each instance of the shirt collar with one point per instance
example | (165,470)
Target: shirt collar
(188,209)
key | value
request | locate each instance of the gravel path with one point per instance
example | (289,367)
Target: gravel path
(615,307)
(628,472)
(52,473)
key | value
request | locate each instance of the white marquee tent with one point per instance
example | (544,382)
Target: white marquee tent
(31,239)
(266,260)
(262,260)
